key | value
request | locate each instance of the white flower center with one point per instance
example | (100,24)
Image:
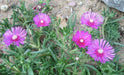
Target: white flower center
(81,40)
(100,51)
(91,20)
(41,21)
(14,37)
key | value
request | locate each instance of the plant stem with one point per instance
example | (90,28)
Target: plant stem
(75,68)
(13,67)
(74,50)
(103,26)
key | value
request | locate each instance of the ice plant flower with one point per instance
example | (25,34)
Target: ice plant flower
(82,39)
(76,58)
(39,7)
(16,35)
(42,20)
(92,19)
(101,51)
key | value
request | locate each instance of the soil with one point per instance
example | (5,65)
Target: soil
(64,8)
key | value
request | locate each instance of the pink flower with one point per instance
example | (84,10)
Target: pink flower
(82,39)
(39,7)
(16,35)
(76,58)
(92,19)
(42,20)
(101,51)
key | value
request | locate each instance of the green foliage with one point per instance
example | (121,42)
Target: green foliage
(111,26)
(111,69)
(4,26)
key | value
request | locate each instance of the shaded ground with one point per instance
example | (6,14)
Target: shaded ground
(64,8)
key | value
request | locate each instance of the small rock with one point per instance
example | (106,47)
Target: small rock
(4,7)
(80,3)
(3,43)
(72,4)
(122,28)
(117,4)
(9,17)
(63,22)
(68,0)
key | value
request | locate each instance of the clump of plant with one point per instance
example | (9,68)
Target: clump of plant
(37,45)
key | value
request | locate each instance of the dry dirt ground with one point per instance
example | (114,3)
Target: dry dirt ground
(64,8)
